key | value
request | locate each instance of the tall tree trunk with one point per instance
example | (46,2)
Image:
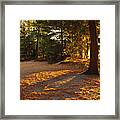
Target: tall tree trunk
(93,68)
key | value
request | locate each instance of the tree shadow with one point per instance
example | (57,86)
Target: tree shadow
(64,85)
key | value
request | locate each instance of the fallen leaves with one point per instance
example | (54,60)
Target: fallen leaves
(60,85)
(58,82)
(42,76)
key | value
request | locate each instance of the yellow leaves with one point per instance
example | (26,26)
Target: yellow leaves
(62,82)
(67,98)
(42,76)
(48,89)
(35,93)
(47,86)
(83,89)
(71,98)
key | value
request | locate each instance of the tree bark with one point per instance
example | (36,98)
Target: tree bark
(93,67)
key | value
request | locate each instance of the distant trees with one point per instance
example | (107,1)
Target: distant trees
(54,40)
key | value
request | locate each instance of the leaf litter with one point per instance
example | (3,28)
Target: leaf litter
(60,85)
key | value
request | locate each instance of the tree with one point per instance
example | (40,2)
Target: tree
(50,42)
(25,40)
(93,67)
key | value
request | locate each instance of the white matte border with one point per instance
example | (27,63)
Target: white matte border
(104,106)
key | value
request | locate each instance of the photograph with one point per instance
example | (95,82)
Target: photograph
(59,59)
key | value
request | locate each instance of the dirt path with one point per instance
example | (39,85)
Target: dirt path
(30,67)
(42,81)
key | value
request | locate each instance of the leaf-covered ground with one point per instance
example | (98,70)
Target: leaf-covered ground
(59,84)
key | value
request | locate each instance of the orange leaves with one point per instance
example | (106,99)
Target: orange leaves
(60,85)
(42,76)
(51,89)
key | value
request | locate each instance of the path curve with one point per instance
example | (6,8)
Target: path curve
(30,67)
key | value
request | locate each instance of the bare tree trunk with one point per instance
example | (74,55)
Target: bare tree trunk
(93,68)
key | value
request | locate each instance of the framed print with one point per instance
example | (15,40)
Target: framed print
(60,59)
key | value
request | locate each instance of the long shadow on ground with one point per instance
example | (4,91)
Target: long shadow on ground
(71,86)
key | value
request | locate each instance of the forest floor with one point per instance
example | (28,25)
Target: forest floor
(61,81)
